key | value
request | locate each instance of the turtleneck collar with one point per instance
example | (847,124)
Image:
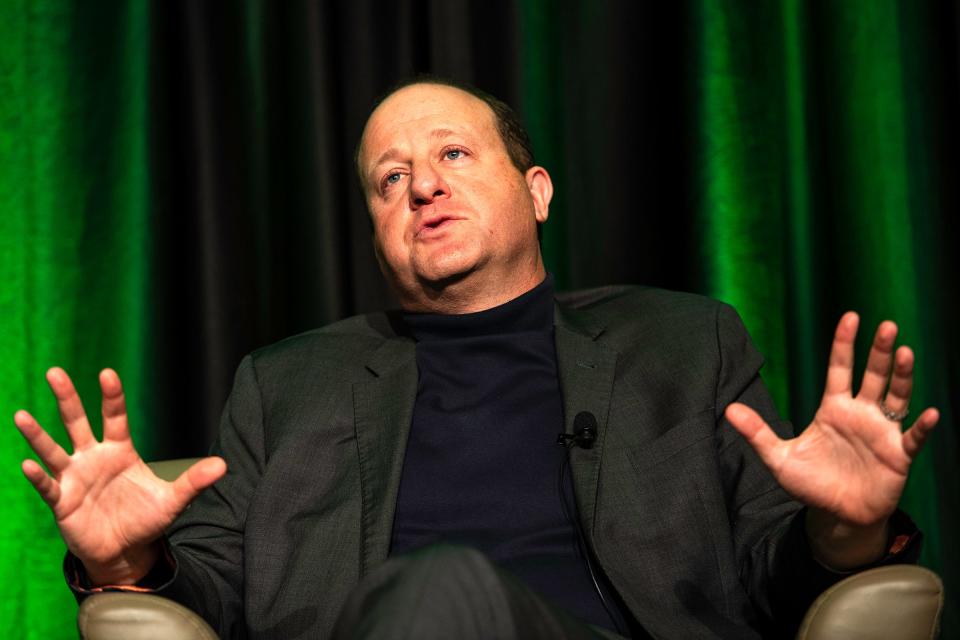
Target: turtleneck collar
(531,311)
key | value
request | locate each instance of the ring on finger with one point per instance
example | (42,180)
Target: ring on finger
(896,416)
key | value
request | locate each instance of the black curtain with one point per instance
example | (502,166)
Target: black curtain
(259,226)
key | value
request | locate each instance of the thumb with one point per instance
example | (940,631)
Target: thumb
(756,432)
(198,477)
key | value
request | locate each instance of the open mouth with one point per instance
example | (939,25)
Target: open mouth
(435,225)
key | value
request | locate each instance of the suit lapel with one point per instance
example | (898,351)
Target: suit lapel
(586,371)
(383,410)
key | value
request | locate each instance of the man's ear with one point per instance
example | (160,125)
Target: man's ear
(541,190)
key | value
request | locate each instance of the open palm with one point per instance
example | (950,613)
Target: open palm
(852,460)
(110,507)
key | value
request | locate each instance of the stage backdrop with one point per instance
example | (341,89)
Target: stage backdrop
(176,189)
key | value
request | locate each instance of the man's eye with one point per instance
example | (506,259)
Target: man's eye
(393,178)
(453,154)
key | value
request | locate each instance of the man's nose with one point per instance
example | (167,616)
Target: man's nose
(426,185)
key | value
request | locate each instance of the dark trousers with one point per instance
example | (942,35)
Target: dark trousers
(452,593)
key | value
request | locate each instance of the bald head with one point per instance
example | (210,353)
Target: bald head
(508,124)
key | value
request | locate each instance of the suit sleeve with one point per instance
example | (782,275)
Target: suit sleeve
(777,567)
(206,541)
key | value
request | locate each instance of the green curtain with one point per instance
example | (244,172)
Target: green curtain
(762,184)
(812,142)
(74,281)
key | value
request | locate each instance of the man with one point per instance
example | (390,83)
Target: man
(383,434)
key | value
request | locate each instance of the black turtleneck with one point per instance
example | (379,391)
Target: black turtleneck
(482,466)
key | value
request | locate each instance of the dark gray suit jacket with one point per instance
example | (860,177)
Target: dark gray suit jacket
(690,528)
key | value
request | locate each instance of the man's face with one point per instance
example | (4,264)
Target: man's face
(445,199)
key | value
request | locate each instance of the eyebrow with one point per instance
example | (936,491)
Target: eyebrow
(393,152)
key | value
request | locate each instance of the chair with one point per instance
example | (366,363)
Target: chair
(900,602)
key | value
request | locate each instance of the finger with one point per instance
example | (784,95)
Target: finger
(71,409)
(840,368)
(47,487)
(198,477)
(901,384)
(915,436)
(46,448)
(113,407)
(877,373)
(757,432)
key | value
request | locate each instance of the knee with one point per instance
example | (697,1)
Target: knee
(448,570)
(443,591)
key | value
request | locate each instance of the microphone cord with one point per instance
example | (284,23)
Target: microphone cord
(581,540)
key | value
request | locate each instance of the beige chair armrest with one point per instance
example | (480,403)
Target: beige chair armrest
(139,616)
(898,602)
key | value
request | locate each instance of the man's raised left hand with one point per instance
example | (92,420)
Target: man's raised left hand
(849,466)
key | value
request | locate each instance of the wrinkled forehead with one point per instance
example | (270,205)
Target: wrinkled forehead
(423,107)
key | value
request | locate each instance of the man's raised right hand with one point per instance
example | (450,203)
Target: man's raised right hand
(110,507)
